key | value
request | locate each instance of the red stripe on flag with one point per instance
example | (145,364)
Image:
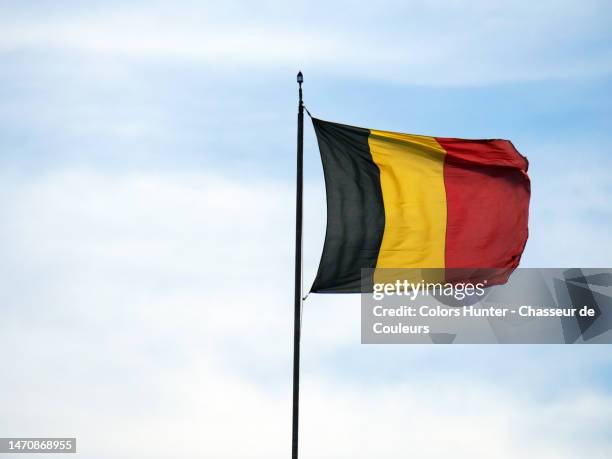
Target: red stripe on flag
(487,191)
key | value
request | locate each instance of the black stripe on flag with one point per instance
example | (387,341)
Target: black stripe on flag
(355,211)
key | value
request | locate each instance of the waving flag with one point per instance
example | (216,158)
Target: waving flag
(411,201)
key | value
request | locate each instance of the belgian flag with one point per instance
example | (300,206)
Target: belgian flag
(411,201)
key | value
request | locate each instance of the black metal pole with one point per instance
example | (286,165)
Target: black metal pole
(297,321)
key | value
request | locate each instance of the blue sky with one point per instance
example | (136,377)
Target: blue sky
(147,169)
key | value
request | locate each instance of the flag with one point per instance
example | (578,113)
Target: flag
(412,201)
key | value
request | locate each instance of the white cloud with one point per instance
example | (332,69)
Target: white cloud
(439,420)
(448,43)
(118,330)
(570,212)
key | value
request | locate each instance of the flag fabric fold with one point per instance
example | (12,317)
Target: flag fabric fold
(411,201)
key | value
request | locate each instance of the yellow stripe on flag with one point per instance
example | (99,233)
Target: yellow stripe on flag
(412,182)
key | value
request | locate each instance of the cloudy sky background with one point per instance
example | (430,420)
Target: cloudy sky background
(146,173)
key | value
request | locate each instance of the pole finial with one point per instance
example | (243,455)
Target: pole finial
(300,78)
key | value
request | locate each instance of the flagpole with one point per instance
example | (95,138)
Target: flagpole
(297,321)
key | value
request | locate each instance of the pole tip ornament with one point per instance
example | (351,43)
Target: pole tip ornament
(300,78)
